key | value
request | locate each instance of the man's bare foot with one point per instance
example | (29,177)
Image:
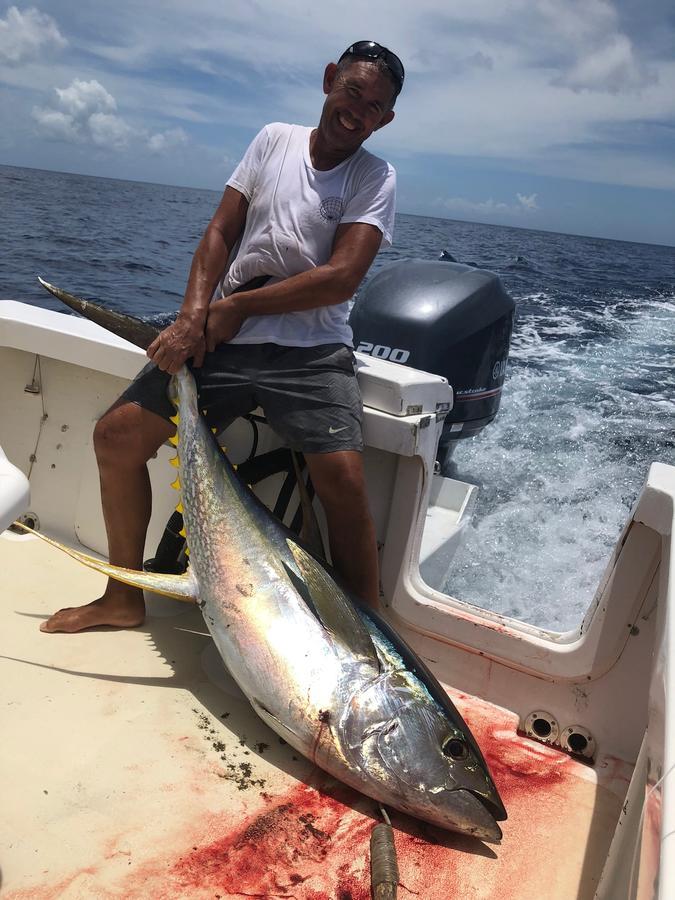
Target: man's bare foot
(119,609)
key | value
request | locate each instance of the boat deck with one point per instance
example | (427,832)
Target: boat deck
(132,766)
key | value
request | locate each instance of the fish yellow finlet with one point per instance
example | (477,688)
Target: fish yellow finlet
(174,440)
(176,484)
(181,533)
(235,466)
(179,509)
(174,461)
(175,419)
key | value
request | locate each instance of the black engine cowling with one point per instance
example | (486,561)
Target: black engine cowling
(446,318)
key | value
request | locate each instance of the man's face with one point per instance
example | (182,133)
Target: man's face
(357,103)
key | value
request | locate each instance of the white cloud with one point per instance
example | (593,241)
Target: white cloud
(527,201)
(83,98)
(610,65)
(163,141)
(109,131)
(526,204)
(587,46)
(56,124)
(83,113)
(23,35)
(461,204)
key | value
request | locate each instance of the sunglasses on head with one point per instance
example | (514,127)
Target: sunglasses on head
(373,50)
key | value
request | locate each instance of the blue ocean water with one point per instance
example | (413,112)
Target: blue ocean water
(588,404)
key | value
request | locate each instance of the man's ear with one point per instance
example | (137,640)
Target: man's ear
(385,120)
(329,77)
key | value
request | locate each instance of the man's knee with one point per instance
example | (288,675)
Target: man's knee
(108,435)
(127,435)
(339,481)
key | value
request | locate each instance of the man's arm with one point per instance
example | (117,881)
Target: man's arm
(355,247)
(185,337)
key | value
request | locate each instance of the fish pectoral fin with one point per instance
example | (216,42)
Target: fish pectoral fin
(270,719)
(332,606)
(180,587)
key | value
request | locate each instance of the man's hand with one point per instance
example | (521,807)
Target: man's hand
(224,321)
(177,343)
(186,337)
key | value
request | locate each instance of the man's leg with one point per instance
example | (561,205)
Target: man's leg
(340,484)
(125,438)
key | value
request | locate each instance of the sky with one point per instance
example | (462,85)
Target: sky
(547,114)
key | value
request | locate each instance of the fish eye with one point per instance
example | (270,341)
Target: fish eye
(455,748)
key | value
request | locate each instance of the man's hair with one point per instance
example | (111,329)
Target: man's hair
(380,64)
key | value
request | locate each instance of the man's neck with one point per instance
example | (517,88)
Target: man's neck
(324,158)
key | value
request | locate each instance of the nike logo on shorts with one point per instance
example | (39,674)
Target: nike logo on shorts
(332,430)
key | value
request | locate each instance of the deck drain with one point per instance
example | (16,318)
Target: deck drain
(542,726)
(578,741)
(30,519)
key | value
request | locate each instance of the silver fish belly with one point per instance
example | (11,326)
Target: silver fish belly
(318,671)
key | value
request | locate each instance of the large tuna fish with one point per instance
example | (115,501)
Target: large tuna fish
(326,674)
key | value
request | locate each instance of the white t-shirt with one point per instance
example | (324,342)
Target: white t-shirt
(294,211)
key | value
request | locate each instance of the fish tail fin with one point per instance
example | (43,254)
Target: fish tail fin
(128,327)
(180,587)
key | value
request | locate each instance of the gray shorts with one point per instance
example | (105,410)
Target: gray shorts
(310,395)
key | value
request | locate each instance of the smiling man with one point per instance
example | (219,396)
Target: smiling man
(264,321)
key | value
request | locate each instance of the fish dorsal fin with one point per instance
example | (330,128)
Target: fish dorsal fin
(332,607)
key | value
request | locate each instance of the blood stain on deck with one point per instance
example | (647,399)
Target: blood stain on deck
(313,844)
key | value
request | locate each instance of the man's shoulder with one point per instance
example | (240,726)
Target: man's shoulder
(368,163)
(283,129)
(275,137)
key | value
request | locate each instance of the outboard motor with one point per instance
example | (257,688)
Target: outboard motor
(446,318)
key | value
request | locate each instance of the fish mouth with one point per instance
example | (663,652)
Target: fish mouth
(493,804)
(481,814)
(459,809)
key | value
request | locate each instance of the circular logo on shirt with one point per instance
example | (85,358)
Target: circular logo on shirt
(331,209)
